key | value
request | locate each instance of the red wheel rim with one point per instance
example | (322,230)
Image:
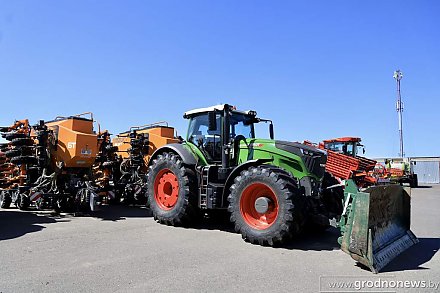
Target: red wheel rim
(166,189)
(259,221)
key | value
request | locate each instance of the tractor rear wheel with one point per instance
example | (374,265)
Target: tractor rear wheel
(266,205)
(172,190)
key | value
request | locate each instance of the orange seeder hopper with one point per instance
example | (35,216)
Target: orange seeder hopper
(77,143)
(159,134)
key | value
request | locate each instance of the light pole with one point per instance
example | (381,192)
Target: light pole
(399,107)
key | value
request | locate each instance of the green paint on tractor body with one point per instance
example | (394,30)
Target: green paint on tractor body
(252,149)
(201,159)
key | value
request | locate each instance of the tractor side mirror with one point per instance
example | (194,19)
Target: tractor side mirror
(271,131)
(212,121)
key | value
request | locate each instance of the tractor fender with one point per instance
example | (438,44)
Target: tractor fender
(236,172)
(177,148)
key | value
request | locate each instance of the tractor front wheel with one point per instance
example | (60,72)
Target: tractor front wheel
(266,205)
(172,190)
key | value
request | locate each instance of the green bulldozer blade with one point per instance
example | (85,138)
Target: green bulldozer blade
(375,224)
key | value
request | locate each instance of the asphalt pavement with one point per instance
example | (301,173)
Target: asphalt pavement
(122,249)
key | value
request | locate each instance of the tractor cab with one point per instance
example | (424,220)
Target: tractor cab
(215,131)
(349,146)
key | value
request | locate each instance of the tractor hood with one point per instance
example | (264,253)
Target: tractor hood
(298,148)
(314,159)
(299,159)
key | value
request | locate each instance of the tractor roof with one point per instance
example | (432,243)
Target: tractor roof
(343,139)
(214,108)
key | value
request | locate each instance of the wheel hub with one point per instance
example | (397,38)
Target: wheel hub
(259,206)
(166,189)
(262,204)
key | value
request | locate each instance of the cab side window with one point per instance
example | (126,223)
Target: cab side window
(208,141)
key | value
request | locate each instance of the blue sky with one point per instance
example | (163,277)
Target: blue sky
(319,69)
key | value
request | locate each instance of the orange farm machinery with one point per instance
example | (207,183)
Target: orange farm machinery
(15,156)
(401,171)
(344,161)
(106,168)
(135,148)
(55,160)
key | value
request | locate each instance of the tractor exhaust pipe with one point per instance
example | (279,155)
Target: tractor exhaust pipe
(223,172)
(226,137)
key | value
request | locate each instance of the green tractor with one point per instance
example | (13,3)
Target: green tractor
(271,188)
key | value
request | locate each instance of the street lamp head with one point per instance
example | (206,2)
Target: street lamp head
(398,75)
